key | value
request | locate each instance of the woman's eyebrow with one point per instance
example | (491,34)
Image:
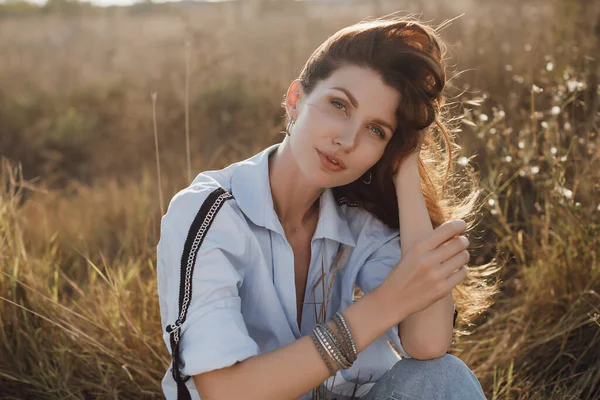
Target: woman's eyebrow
(355,104)
(347,93)
(384,124)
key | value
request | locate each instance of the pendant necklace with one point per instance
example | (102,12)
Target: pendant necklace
(295,230)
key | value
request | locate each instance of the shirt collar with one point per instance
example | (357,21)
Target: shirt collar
(252,191)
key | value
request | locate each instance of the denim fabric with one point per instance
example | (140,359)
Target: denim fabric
(444,378)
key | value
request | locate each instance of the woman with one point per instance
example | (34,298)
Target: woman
(258,262)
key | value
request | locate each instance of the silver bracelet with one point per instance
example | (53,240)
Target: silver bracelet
(343,354)
(343,340)
(340,322)
(338,354)
(329,347)
(347,333)
(321,348)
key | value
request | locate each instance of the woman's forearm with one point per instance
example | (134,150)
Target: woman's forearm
(428,333)
(293,370)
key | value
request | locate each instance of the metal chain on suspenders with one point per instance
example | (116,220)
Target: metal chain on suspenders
(195,237)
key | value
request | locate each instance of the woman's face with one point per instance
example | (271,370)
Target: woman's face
(342,127)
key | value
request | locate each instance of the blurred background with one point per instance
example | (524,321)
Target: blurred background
(89,92)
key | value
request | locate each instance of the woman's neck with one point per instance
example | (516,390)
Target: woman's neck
(295,199)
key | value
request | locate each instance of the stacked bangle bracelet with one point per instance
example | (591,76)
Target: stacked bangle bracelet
(340,348)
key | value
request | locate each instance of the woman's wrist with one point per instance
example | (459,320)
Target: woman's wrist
(371,316)
(389,310)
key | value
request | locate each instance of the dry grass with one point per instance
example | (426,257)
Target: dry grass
(79,316)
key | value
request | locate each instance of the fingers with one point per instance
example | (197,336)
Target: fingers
(455,262)
(454,269)
(449,249)
(444,232)
(457,277)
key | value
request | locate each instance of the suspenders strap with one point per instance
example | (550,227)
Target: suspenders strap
(195,237)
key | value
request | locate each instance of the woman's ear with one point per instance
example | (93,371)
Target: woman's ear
(292,100)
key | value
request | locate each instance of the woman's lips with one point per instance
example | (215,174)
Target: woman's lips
(330,165)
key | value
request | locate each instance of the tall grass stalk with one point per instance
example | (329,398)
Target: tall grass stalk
(187,110)
(156,148)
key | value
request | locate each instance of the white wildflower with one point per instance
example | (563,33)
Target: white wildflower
(565,192)
(573,85)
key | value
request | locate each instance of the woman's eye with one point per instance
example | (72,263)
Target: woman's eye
(378,132)
(338,105)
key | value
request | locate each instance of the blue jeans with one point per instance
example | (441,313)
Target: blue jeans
(444,378)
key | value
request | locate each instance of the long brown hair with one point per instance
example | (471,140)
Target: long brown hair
(410,57)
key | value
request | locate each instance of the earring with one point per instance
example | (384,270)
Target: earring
(368,182)
(288,129)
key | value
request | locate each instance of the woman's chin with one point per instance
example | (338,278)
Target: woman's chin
(326,181)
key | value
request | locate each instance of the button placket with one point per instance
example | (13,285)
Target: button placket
(284,280)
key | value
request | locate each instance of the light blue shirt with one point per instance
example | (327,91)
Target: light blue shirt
(243,287)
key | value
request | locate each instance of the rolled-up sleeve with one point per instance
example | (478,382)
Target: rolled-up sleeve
(214,334)
(373,273)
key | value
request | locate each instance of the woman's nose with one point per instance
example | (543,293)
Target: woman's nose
(346,139)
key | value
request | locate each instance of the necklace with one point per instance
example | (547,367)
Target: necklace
(296,230)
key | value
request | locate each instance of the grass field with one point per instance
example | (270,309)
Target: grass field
(80,206)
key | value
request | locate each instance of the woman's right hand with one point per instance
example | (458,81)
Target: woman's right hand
(432,267)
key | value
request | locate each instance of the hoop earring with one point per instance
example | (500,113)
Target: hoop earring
(288,128)
(366,183)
